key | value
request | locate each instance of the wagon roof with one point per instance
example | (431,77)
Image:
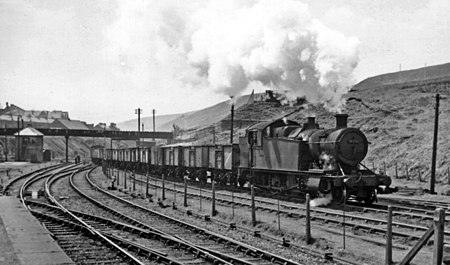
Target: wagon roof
(262,125)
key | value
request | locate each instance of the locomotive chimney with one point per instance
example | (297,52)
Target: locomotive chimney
(341,120)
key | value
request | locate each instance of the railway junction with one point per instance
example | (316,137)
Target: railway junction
(127,217)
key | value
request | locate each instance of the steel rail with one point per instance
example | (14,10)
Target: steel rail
(255,252)
(143,232)
(39,171)
(326,213)
(29,181)
(155,232)
(113,245)
(142,250)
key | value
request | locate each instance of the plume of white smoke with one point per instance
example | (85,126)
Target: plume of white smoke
(321,201)
(327,162)
(230,45)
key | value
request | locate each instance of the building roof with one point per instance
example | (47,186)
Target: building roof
(70,124)
(29,132)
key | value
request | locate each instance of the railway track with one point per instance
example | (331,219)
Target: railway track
(175,249)
(13,186)
(236,252)
(417,204)
(406,225)
(83,243)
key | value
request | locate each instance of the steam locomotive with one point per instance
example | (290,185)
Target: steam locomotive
(277,156)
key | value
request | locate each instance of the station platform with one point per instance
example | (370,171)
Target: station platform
(23,240)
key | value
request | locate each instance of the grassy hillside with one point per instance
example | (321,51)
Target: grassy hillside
(435,72)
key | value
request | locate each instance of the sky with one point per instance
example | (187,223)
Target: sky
(102,59)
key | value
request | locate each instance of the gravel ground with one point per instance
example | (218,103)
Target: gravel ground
(289,253)
(359,247)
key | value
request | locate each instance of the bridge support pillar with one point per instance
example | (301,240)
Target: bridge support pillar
(67,148)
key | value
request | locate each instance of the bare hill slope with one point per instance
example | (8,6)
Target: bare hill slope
(194,119)
(436,72)
(399,124)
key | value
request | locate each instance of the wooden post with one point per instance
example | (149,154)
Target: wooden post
(343,225)
(185,192)
(213,205)
(125,179)
(308,220)
(406,168)
(278,215)
(252,188)
(232,203)
(373,166)
(134,181)
(433,155)
(439,222)
(163,188)
(388,260)
(415,249)
(448,175)
(200,198)
(420,176)
(118,177)
(384,168)
(174,192)
(396,170)
(146,187)
(156,189)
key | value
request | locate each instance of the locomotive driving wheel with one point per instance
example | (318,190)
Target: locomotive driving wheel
(339,194)
(242,179)
(371,199)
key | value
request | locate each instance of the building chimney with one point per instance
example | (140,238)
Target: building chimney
(341,120)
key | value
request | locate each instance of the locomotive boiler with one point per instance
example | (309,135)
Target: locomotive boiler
(283,155)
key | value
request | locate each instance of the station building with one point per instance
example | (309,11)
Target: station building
(30,145)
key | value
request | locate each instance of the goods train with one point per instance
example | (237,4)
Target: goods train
(277,156)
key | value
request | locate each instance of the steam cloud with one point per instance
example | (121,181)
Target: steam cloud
(231,45)
(327,161)
(321,201)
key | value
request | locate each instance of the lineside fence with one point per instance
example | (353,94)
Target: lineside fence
(205,200)
(410,171)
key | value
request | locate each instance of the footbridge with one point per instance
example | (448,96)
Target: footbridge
(113,135)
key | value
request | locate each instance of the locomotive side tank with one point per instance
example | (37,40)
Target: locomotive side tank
(282,155)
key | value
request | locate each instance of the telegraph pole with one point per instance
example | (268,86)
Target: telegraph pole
(18,138)
(138,111)
(153,122)
(6,145)
(232,120)
(435,138)
(231,131)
